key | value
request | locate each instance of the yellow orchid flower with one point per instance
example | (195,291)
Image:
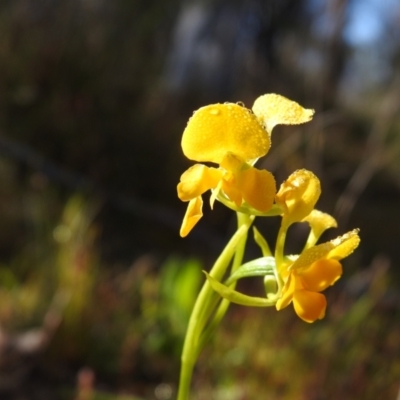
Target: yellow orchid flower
(233,137)
(312,272)
(298,195)
(236,179)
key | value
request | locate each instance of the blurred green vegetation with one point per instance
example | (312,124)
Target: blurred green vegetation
(95,283)
(62,309)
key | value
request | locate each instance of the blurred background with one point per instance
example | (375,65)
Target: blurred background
(96,285)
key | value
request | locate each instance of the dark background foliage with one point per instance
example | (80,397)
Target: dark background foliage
(94,97)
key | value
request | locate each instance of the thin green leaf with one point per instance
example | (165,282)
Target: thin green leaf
(236,297)
(262,243)
(259,267)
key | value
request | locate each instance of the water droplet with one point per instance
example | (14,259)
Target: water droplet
(214,111)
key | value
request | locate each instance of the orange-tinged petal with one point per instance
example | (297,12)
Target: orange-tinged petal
(321,274)
(216,129)
(298,195)
(273,109)
(230,188)
(258,188)
(309,306)
(344,245)
(193,214)
(197,180)
(287,293)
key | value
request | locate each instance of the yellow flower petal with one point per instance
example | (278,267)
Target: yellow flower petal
(298,195)
(309,306)
(273,109)
(258,188)
(197,180)
(231,162)
(231,166)
(287,293)
(216,129)
(321,274)
(215,193)
(311,255)
(230,188)
(344,245)
(193,214)
(320,222)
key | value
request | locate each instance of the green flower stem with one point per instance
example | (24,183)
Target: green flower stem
(242,220)
(204,306)
(279,252)
(262,243)
(312,239)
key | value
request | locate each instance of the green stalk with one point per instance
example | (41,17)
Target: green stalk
(202,310)
(242,219)
(279,252)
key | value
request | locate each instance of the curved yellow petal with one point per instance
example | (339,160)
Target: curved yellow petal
(309,306)
(287,293)
(298,195)
(216,129)
(197,180)
(335,249)
(258,188)
(321,274)
(273,109)
(193,214)
(311,255)
(344,245)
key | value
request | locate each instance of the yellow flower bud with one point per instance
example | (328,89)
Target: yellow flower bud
(297,195)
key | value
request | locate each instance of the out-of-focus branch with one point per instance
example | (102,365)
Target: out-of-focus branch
(142,209)
(376,155)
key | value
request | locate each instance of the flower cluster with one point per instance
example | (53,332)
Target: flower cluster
(233,138)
